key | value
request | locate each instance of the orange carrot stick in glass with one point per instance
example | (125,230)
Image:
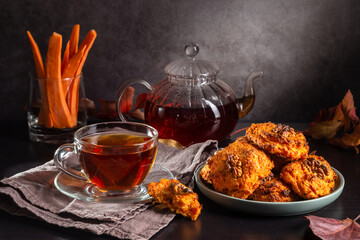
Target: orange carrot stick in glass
(66,56)
(74,89)
(37,57)
(74,40)
(73,64)
(59,110)
(69,72)
(66,84)
(44,117)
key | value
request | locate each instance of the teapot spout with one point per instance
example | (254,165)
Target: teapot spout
(245,103)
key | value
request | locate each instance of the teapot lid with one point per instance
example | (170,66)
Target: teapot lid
(191,68)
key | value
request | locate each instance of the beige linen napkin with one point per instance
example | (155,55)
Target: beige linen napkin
(32,193)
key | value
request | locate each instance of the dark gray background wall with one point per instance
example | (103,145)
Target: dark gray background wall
(309,50)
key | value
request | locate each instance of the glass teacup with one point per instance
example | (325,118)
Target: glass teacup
(115,157)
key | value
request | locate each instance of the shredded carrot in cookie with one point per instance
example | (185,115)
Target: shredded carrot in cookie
(176,196)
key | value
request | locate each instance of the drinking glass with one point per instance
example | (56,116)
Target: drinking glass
(56,109)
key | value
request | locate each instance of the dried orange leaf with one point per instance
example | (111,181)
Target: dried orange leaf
(329,228)
(338,113)
(349,110)
(352,115)
(340,121)
(352,139)
(322,115)
(348,102)
(351,120)
(325,129)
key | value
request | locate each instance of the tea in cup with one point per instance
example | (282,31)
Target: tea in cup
(115,157)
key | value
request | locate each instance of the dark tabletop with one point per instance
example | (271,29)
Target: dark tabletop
(215,222)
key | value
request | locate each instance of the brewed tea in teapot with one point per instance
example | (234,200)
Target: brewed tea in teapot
(192,105)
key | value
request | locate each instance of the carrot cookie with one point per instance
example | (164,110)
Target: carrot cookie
(239,168)
(310,178)
(280,140)
(274,190)
(176,196)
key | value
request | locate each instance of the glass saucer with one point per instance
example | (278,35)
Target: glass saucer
(86,191)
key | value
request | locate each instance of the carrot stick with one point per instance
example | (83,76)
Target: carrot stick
(74,89)
(74,40)
(63,65)
(73,64)
(88,41)
(66,56)
(58,109)
(37,57)
(69,72)
(73,49)
(44,114)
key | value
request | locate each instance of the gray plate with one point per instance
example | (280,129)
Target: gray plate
(270,208)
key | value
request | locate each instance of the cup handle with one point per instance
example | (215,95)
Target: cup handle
(121,91)
(60,159)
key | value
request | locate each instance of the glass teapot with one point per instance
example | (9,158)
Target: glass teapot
(192,105)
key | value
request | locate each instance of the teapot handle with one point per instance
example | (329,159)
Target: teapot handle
(121,91)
